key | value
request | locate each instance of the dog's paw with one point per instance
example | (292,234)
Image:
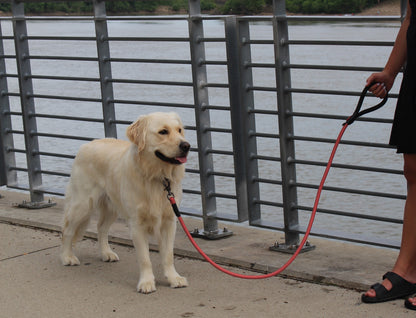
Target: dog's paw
(69,260)
(178,282)
(146,287)
(110,256)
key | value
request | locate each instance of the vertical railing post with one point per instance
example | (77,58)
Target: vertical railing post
(203,122)
(104,64)
(27,101)
(237,124)
(7,157)
(240,79)
(403,8)
(284,105)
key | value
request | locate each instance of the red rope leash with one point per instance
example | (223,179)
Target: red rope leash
(308,230)
(357,113)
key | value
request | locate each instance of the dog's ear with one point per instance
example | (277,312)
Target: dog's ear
(136,132)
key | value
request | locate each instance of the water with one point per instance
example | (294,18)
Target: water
(313,79)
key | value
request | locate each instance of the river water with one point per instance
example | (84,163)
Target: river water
(304,126)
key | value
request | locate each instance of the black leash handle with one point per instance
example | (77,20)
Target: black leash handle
(357,113)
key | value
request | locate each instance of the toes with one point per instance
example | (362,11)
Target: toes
(110,257)
(146,287)
(370,293)
(70,260)
(178,282)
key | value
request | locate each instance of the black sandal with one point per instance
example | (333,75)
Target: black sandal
(409,305)
(400,289)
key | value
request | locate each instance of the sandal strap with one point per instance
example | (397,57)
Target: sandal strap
(379,289)
(397,280)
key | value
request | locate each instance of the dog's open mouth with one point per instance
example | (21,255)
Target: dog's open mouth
(175,161)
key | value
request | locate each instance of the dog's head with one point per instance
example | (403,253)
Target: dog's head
(161,135)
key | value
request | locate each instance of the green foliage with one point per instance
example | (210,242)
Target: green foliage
(243,6)
(112,7)
(207,5)
(178,5)
(5,7)
(119,6)
(223,6)
(76,7)
(327,6)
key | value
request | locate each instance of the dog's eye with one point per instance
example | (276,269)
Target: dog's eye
(180,130)
(163,132)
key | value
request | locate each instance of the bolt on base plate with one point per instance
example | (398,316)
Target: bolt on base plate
(291,249)
(211,235)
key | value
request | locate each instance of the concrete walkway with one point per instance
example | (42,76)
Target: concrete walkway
(326,282)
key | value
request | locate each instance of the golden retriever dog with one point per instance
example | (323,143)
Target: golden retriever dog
(126,178)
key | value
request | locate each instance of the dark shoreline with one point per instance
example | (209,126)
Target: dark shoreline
(386,8)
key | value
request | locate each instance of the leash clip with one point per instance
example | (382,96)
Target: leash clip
(171,196)
(166,184)
(357,113)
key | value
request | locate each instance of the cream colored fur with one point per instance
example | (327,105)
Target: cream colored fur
(125,178)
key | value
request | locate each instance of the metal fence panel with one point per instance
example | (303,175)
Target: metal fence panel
(247,161)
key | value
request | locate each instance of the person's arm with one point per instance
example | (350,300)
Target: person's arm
(398,56)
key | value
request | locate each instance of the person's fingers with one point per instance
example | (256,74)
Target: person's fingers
(379,90)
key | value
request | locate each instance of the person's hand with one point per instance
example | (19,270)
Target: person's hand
(383,82)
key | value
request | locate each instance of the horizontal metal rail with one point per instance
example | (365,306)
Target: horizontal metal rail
(157,61)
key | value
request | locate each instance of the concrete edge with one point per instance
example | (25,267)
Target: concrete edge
(221,260)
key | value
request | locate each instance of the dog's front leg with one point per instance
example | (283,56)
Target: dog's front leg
(166,241)
(140,239)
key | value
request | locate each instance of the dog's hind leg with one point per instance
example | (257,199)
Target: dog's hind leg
(78,210)
(107,216)
(76,220)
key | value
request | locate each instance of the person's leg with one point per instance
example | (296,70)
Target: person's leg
(406,262)
(405,265)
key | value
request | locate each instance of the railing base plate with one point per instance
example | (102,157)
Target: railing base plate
(35,205)
(291,249)
(211,235)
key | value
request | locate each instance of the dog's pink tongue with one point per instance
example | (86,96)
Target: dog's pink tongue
(181,159)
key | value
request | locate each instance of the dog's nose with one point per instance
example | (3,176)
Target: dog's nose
(184,146)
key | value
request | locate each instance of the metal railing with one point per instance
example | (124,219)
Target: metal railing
(244,160)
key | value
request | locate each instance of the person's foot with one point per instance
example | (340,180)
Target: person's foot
(387,285)
(410,303)
(393,287)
